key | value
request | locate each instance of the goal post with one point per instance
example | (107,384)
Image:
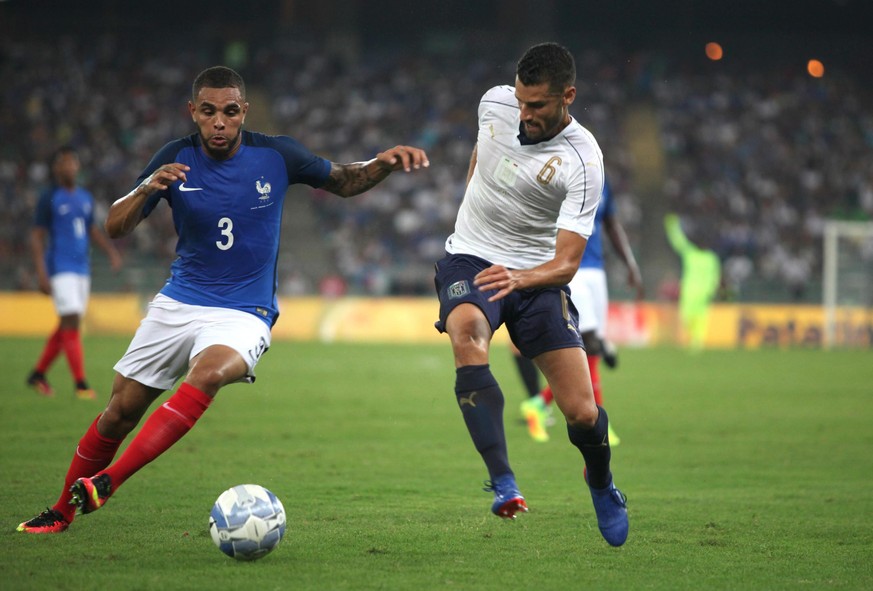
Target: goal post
(847,283)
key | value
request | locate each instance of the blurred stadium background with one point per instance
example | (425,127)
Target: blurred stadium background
(756,149)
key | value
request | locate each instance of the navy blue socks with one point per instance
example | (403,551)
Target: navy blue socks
(481,404)
(593,443)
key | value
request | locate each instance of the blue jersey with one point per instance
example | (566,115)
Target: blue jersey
(228,218)
(593,256)
(67,217)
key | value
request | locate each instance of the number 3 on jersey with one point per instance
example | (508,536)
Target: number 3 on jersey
(226,225)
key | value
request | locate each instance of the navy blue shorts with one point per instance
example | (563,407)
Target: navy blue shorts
(538,320)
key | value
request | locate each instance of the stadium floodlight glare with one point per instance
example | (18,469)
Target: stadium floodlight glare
(847,282)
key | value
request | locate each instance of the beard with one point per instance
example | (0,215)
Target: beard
(223,149)
(543,130)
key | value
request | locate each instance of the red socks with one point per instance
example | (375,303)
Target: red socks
(72,345)
(68,340)
(593,361)
(164,427)
(50,352)
(547,395)
(93,454)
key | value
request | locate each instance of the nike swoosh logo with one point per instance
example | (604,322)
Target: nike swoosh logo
(182,187)
(172,410)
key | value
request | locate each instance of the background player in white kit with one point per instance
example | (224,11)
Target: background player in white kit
(536,177)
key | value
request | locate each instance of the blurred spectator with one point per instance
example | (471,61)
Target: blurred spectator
(756,156)
(760,156)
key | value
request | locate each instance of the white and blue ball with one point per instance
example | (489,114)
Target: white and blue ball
(247,522)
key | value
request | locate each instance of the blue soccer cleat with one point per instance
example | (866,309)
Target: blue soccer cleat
(507,498)
(610,505)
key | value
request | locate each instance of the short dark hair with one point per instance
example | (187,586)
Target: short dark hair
(547,62)
(218,77)
(63,151)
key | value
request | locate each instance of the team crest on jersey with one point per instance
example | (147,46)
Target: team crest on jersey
(264,190)
(507,172)
(458,289)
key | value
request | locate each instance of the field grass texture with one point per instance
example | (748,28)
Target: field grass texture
(743,470)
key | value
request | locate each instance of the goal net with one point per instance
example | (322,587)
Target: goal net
(848,284)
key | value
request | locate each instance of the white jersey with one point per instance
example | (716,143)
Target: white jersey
(520,195)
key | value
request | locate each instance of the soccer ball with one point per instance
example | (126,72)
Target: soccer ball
(247,522)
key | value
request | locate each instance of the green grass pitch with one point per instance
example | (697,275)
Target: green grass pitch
(743,470)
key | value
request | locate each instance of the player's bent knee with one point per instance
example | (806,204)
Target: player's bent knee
(211,372)
(211,379)
(582,416)
(582,422)
(470,350)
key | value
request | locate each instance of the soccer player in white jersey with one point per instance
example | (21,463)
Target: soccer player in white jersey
(211,322)
(534,182)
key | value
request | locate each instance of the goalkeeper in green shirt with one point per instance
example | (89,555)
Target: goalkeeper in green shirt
(701,278)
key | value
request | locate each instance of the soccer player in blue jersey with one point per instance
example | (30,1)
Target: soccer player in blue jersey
(533,186)
(211,322)
(60,242)
(589,293)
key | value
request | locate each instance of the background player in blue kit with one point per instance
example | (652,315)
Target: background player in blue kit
(211,322)
(534,182)
(60,242)
(589,293)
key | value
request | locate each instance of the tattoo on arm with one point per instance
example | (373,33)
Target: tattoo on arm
(346,180)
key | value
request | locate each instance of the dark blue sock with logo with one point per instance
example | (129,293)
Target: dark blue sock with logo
(481,404)
(594,445)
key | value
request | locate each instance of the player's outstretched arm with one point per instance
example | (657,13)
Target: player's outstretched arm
(126,213)
(675,236)
(347,180)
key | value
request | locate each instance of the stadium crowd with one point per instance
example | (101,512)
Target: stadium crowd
(759,161)
(753,162)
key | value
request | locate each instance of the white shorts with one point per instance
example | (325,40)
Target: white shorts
(173,333)
(589,294)
(70,293)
